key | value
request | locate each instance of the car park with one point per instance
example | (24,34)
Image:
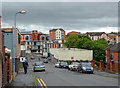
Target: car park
(85,67)
(57,64)
(39,66)
(63,65)
(73,66)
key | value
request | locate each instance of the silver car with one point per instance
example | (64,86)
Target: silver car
(39,66)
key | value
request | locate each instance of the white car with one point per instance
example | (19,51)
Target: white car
(73,66)
(57,64)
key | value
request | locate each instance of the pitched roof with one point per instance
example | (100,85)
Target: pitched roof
(114,47)
(95,33)
(57,29)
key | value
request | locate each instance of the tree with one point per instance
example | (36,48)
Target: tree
(70,41)
(80,42)
(84,36)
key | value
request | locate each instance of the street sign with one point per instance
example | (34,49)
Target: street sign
(72,58)
(22,59)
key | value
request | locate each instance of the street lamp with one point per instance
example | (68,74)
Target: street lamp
(21,12)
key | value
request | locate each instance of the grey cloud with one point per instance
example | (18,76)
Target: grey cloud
(67,15)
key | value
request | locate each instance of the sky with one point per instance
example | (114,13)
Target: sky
(71,16)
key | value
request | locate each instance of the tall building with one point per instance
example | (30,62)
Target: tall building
(56,34)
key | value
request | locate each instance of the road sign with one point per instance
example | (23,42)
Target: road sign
(22,59)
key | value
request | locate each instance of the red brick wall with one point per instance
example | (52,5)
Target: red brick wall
(116,63)
(5,67)
(73,32)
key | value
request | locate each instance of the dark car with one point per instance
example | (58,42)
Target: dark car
(85,67)
(63,65)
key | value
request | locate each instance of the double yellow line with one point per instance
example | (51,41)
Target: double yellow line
(42,83)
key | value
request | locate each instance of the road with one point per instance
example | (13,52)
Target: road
(63,77)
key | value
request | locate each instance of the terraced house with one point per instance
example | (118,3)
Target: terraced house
(97,35)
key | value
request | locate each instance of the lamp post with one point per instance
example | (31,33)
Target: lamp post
(19,12)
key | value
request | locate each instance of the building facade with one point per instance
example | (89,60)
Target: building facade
(112,58)
(56,34)
(97,35)
(12,42)
(33,41)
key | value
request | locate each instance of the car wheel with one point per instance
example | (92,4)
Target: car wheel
(70,69)
(77,70)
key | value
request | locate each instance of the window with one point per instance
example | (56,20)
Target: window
(27,38)
(19,38)
(98,37)
(92,38)
(42,38)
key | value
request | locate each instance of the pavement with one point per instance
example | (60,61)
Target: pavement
(62,77)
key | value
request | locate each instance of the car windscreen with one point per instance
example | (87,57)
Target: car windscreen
(39,63)
(64,63)
(86,64)
(76,63)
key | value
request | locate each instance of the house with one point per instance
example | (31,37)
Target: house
(12,42)
(97,35)
(113,38)
(112,57)
(57,34)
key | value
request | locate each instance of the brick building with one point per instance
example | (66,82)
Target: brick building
(33,41)
(56,34)
(97,35)
(73,32)
(112,57)
(12,42)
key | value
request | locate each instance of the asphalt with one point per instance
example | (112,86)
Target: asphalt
(62,77)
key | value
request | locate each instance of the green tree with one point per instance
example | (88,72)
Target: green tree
(70,41)
(80,42)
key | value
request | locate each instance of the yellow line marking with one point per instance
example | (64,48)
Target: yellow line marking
(40,83)
(43,83)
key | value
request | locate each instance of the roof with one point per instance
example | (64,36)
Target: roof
(56,29)
(114,47)
(95,33)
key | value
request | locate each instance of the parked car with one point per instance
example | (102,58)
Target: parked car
(39,66)
(73,66)
(63,65)
(45,60)
(57,64)
(32,58)
(85,67)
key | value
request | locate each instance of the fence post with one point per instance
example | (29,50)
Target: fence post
(93,64)
(101,65)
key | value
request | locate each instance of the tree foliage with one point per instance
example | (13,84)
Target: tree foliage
(84,42)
